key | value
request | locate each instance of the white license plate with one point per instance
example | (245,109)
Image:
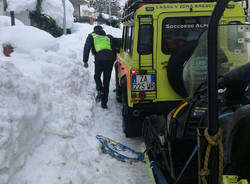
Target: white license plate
(143,82)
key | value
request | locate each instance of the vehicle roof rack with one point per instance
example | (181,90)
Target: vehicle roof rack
(132,5)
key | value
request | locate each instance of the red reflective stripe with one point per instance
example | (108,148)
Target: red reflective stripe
(133,101)
(142,4)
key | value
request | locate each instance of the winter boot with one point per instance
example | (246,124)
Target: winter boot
(104,106)
(99,96)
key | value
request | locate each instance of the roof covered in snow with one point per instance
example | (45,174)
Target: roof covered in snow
(53,8)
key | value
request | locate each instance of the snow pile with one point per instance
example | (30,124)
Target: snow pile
(106,16)
(6,21)
(49,118)
(54,8)
(26,38)
(20,120)
(21,5)
(23,105)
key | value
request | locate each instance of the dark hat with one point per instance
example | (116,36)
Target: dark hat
(97,28)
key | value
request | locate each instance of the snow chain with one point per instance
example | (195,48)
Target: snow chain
(215,140)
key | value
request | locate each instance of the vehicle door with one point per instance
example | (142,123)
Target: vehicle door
(175,29)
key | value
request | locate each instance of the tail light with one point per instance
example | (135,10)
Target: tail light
(133,71)
(141,4)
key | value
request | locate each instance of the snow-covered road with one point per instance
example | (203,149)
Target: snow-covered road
(49,117)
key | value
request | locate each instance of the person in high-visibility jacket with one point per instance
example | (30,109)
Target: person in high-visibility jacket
(100,45)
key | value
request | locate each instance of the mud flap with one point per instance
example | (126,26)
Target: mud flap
(132,126)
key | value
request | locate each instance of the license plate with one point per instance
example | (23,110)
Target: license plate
(143,82)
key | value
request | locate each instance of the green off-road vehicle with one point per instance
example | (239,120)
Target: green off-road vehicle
(158,38)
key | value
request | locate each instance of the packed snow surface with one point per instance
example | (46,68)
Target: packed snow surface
(48,115)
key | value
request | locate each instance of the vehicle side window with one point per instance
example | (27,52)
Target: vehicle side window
(145,39)
(129,39)
(123,37)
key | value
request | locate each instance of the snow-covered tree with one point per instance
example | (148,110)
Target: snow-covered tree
(104,6)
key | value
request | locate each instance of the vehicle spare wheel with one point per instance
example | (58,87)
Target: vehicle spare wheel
(175,67)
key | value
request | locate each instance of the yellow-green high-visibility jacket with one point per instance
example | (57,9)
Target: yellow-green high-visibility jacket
(101,42)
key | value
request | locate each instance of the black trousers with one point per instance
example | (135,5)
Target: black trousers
(105,68)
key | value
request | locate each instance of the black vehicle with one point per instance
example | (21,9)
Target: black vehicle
(217,113)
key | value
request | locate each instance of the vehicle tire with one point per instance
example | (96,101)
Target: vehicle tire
(132,126)
(118,89)
(237,143)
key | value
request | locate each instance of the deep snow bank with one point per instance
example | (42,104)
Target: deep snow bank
(50,118)
(29,93)
(24,110)
(41,88)
(20,120)
(26,38)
